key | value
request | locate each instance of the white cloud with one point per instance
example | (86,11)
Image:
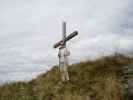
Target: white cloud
(28,30)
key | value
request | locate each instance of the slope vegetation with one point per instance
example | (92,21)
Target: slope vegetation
(89,80)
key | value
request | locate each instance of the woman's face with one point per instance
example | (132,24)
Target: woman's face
(61,43)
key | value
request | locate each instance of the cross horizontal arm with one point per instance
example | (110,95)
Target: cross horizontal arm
(66,39)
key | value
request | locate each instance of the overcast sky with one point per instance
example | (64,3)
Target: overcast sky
(29,28)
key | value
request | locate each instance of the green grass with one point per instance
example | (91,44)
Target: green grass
(90,80)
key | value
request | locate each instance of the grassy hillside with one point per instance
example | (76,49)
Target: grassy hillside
(89,80)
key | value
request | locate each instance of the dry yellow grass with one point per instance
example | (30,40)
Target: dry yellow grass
(90,80)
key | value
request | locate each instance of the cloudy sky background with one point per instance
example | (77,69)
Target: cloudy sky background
(29,28)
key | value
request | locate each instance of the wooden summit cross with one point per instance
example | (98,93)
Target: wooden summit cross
(63,52)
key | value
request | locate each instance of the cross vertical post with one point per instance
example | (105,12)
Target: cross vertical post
(63,55)
(64,32)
